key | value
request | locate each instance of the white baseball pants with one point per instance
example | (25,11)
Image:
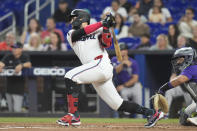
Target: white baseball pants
(191,108)
(99,73)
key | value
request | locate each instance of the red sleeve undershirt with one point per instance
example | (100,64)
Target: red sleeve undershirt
(93,27)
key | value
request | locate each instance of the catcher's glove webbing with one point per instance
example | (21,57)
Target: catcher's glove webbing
(161,103)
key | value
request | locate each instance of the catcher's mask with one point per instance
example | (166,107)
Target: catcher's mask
(183,58)
(79,16)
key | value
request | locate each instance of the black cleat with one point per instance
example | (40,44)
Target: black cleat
(152,120)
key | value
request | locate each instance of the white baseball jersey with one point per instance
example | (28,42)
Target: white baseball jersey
(88,47)
(99,72)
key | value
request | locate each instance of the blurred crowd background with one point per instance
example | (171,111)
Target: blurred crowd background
(141,24)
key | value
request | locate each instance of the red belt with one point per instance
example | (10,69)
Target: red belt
(98,57)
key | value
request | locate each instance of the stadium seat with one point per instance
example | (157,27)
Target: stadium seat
(60,25)
(133,2)
(153,40)
(176,7)
(64,28)
(127,23)
(153,25)
(132,43)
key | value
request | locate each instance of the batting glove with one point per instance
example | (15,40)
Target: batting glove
(109,21)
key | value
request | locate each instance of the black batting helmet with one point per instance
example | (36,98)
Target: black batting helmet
(188,56)
(81,16)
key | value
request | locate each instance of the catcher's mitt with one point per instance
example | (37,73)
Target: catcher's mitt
(160,102)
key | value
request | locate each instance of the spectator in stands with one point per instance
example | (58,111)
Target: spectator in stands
(181,41)
(34,43)
(131,14)
(127,74)
(120,29)
(156,16)
(192,42)
(165,11)
(138,28)
(55,43)
(144,6)
(162,43)
(33,27)
(9,41)
(187,23)
(115,8)
(63,12)
(182,19)
(125,4)
(145,42)
(173,33)
(51,27)
(15,84)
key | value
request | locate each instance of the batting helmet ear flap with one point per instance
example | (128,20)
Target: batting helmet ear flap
(76,24)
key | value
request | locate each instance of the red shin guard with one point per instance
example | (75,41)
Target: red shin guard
(72,104)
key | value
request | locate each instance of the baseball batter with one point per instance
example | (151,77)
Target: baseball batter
(89,43)
(185,61)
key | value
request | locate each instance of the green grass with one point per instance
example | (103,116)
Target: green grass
(84,120)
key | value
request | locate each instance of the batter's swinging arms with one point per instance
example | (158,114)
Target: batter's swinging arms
(89,43)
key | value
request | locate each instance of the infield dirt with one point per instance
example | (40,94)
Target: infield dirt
(93,127)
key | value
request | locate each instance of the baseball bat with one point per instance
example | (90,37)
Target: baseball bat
(116,46)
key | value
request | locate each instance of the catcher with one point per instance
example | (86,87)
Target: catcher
(185,61)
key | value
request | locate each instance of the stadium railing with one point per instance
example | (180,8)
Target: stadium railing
(38,8)
(12,26)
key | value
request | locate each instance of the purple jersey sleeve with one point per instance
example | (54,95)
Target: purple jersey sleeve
(114,61)
(135,67)
(188,71)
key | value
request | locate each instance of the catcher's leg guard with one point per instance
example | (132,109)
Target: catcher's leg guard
(132,108)
(72,96)
(183,118)
(191,108)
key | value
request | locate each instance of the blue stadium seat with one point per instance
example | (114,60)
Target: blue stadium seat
(166,26)
(95,7)
(17,6)
(2,12)
(153,40)
(127,23)
(133,2)
(132,42)
(82,5)
(84,1)
(60,25)
(153,25)
(64,28)
(6,22)
(176,7)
